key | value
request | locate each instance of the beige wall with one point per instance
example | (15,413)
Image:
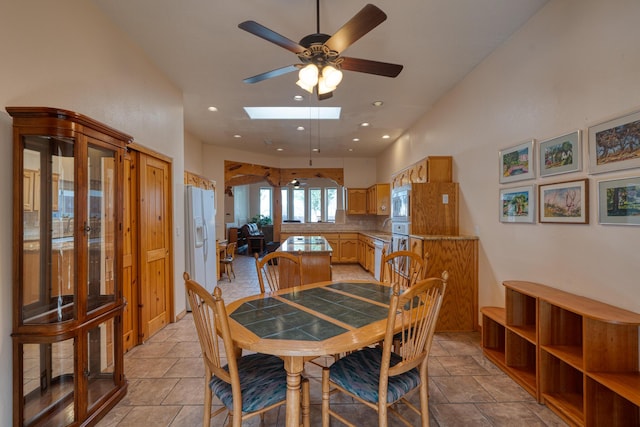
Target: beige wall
(193,161)
(66,54)
(574,64)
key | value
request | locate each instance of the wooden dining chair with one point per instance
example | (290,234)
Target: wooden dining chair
(380,378)
(403,267)
(279,270)
(227,261)
(247,385)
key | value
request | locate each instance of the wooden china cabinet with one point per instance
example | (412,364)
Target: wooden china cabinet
(67,269)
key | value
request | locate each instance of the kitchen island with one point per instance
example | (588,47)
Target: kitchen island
(315,253)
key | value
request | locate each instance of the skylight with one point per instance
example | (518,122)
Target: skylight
(293,113)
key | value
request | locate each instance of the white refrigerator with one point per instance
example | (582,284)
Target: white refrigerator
(200,231)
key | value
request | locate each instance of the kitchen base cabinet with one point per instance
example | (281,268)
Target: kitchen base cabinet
(459,256)
(578,356)
(348,248)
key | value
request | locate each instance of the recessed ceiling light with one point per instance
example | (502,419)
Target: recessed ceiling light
(377,103)
(298,98)
(297,113)
(356,139)
(237,136)
(385,137)
(279,149)
(300,128)
(350,149)
(316,150)
(212,108)
(364,124)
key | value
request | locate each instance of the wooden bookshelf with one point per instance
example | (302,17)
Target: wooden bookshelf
(578,356)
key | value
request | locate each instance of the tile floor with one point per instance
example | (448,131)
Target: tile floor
(166,379)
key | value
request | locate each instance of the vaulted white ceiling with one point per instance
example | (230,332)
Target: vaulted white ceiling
(199,46)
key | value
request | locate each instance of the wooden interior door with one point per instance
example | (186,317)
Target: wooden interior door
(156,276)
(130,322)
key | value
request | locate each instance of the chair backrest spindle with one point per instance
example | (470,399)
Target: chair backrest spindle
(280,270)
(402,267)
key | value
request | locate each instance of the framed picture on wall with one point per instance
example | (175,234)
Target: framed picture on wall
(619,201)
(562,154)
(564,202)
(517,204)
(615,144)
(516,163)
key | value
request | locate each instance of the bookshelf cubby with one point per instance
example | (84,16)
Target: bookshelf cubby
(578,356)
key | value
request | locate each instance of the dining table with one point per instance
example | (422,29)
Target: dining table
(301,323)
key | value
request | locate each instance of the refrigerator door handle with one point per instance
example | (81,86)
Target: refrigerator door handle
(198,227)
(206,240)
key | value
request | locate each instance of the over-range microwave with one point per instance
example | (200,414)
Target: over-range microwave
(401,204)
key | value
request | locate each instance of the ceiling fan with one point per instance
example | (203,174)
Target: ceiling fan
(320,53)
(296,183)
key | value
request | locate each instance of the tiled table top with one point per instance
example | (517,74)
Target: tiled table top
(352,304)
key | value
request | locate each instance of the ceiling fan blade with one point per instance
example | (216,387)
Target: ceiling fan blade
(273,73)
(269,35)
(364,21)
(371,67)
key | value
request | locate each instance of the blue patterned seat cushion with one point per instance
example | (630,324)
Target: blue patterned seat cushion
(359,373)
(263,382)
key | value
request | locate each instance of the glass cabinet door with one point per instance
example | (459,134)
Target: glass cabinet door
(101,357)
(49,383)
(101,227)
(49,279)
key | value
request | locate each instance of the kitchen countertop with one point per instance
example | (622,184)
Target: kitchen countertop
(380,235)
(442,237)
(306,244)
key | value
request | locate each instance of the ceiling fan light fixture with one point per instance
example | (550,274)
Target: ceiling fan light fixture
(323,87)
(308,77)
(332,76)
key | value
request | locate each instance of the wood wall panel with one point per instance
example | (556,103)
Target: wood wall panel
(459,257)
(130,324)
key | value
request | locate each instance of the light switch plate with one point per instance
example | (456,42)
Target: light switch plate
(445,199)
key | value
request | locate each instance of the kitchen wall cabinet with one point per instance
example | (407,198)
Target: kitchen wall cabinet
(356,201)
(429,169)
(378,199)
(68,270)
(434,208)
(576,355)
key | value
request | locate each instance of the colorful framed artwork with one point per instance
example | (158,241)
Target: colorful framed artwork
(564,202)
(562,154)
(517,204)
(619,201)
(516,163)
(615,144)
